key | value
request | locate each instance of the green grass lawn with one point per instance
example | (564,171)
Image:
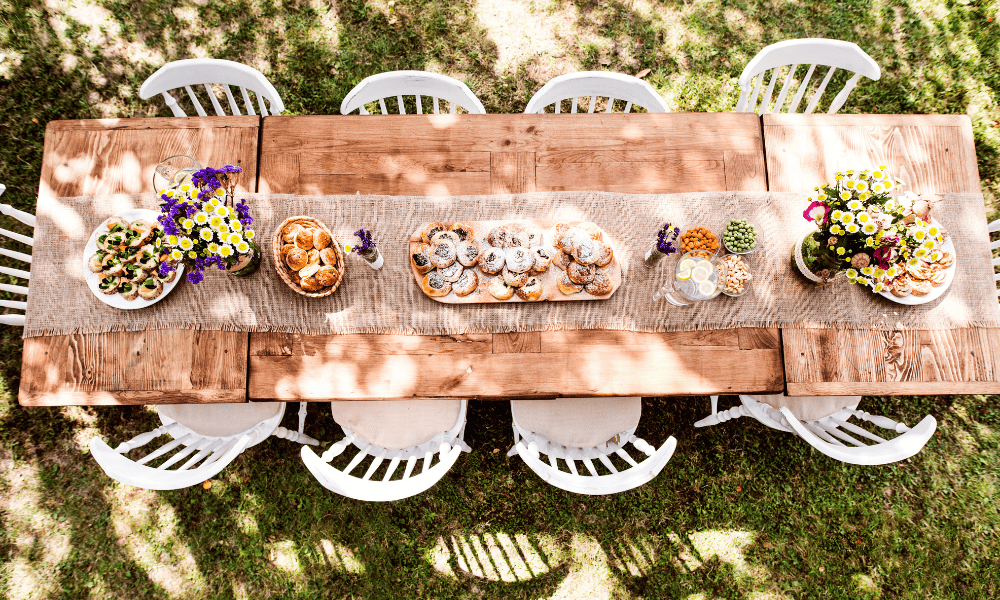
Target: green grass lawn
(739,512)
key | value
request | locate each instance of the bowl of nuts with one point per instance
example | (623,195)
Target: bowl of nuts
(700,238)
(741,235)
(738,276)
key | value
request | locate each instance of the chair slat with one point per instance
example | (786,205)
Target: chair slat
(420,108)
(246,101)
(13,289)
(15,254)
(219,452)
(14,304)
(770,90)
(859,431)
(573,110)
(841,98)
(393,464)
(172,104)
(376,461)
(194,100)
(437,110)
(590,466)
(756,92)
(178,457)
(607,463)
(454,107)
(381,103)
(15,320)
(18,237)
(558,106)
(410,463)
(593,103)
(263,107)
(784,89)
(356,460)
(571,464)
(164,449)
(611,104)
(215,101)
(625,456)
(233,105)
(802,89)
(427,461)
(200,456)
(20,215)
(819,91)
(840,434)
(628,106)
(821,433)
(15,272)
(402,107)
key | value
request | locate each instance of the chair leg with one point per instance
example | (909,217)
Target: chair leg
(513,449)
(294,436)
(302,417)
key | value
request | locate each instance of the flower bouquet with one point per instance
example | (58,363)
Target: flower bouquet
(876,238)
(205,226)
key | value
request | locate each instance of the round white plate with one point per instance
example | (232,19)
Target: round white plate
(116,300)
(936,292)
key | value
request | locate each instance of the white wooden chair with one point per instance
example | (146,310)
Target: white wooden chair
(596,84)
(397,431)
(411,83)
(16,319)
(993,228)
(584,430)
(206,438)
(822,421)
(794,53)
(208,71)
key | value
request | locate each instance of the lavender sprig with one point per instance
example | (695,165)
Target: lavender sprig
(666,237)
(366,245)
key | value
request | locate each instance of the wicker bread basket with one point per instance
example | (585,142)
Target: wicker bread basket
(284,270)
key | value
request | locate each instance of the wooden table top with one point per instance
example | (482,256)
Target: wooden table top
(110,156)
(492,154)
(932,154)
(483,154)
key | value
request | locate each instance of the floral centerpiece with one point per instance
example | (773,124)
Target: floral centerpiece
(867,231)
(663,246)
(367,249)
(204,225)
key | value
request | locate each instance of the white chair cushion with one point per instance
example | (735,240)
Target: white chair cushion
(809,408)
(578,422)
(397,424)
(220,420)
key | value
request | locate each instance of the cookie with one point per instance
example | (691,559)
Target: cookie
(492,261)
(499,289)
(451,274)
(531,291)
(468,253)
(443,254)
(466,284)
(566,286)
(601,285)
(582,274)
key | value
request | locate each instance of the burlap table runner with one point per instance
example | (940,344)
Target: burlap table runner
(389,301)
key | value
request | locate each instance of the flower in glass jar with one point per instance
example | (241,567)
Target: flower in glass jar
(186,244)
(869,228)
(816,212)
(852,228)
(248,234)
(225,251)
(206,234)
(847,217)
(242,247)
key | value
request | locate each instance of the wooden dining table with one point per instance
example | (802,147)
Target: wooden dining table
(438,155)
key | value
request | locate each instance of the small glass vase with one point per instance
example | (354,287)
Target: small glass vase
(174,171)
(247,264)
(653,256)
(374,258)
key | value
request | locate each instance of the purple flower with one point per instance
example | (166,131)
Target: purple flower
(196,277)
(882,256)
(367,244)
(665,238)
(166,268)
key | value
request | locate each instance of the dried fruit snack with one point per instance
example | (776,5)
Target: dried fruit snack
(699,238)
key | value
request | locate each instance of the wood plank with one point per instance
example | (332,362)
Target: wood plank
(571,341)
(295,344)
(745,171)
(517,342)
(315,163)
(282,174)
(635,177)
(589,372)
(134,368)
(394,184)
(896,388)
(759,339)
(118,156)
(512,172)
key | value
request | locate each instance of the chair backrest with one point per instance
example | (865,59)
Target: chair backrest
(993,228)
(205,72)
(28,219)
(411,83)
(596,84)
(190,457)
(448,445)
(599,416)
(807,53)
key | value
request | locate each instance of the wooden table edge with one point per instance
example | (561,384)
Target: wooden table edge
(131,397)
(825,120)
(212,122)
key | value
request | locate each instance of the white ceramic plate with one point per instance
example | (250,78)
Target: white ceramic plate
(936,292)
(116,300)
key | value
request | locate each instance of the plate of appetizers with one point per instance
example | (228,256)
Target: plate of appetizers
(514,261)
(926,281)
(122,259)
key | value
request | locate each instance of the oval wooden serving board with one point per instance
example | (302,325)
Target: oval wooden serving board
(550,291)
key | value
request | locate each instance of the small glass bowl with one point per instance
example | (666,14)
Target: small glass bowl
(173,171)
(712,253)
(751,222)
(747,285)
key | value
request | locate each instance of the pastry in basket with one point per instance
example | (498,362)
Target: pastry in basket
(468,253)
(328,256)
(327,276)
(582,274)
(304,239)
(530,291)
(492,261)
(150,289)
(321,239)
(464,232)
(601,284)
(499,289)
(421,258)
(289,232)
(312,257)
(542,258)
(443,254)
(514,279)
(296,258)
(452,273)
(430,229)
(435,285)
(566,286)
(561,259)
(441,236)
(466,284)
(310,284)
(519,260)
